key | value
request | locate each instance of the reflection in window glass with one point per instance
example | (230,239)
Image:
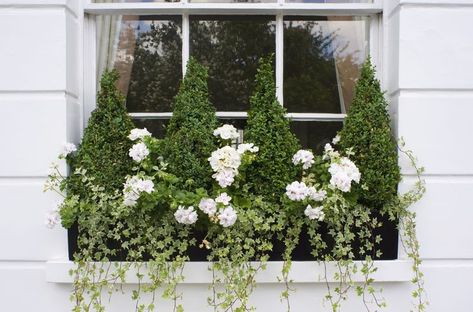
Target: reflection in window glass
(157,127)
(146,51)
(315,134)
(330,1)
(322,61)
(231,47)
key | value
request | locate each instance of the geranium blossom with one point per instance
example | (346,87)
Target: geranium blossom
(185,215)
(223,199)
(133,187)
(138,134)
(225,158)
(344,172)
(208,206)
(225,177)
(297,191)
(67,149)
(227,132)
(138,152)
(52,217)
(329,152)
(304,157)
(227,217)
(247,147)
(315,195)
(336,139)
(316,213)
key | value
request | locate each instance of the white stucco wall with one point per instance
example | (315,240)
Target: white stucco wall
(428,73)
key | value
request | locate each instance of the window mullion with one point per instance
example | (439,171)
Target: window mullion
(279,57)
(185,42)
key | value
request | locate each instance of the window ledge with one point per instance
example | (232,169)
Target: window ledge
(57,271)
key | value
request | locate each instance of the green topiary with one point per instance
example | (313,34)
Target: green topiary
(367,130)
(268,128)
(103,151)
(189,138)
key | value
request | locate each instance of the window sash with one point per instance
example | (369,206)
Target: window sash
(279,10)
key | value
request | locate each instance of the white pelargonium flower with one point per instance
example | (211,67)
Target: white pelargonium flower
(208,206)
(138,152)
(247,147)
(185,215)
(344,172)
(297,191)
(225,177)
(67,149)
(224,199)
(227,216)
(316,213)
(138,134)
(336,139)
(304,157)
(315,195)
(133,187)
(225,158)
(227,132)
(329,152)
(52,217)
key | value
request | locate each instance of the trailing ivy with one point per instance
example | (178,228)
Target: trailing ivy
(367,132)
(189,140)
(103,152)
(269,129)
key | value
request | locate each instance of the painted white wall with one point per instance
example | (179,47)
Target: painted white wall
(428,75)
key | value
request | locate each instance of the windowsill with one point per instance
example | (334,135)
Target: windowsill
(57,271)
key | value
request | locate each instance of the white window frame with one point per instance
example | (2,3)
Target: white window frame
(186,8)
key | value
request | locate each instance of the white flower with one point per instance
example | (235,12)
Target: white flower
(67,149)
(223,199)
(133,187)
(329,152)
(296,191)
(304,157)
(138,152)
(225,177)
(52,217)
(208,206)
(336,139)
(315,195)
(316,213)
(344,172)
(247,147)
(227,132)
(227,216)
(138,134)
(225,158)
(185,215)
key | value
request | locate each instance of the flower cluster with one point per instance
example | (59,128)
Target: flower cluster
(304,157)
(226,216)
(226,160)
(138,134)
(185,215)
(133,188)
(52,217)
(316,213)
(67,149)
(342,170)
(138,151)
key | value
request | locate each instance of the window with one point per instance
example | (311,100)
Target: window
(319,47)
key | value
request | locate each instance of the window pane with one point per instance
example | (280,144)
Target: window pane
(331,1)
(315,134)
(157,127)
(322,61)
(231,47)
(146,51)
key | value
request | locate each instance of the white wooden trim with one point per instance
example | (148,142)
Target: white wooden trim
(244,115)
(152,8)
(89,67)
(185,42)
(280,58)
(301,272)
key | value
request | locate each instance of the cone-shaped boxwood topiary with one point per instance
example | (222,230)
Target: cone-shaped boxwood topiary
(103,151)
(269,129)
(189,138)
(367,130)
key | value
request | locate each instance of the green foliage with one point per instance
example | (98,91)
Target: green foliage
(189,140)
(367,131)
(103,152)
(268,128)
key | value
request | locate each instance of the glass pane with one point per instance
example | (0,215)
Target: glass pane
(322,61)
(157,127)
(315,134)
(131,1)
(146,51)
(331,1)
(231,47)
